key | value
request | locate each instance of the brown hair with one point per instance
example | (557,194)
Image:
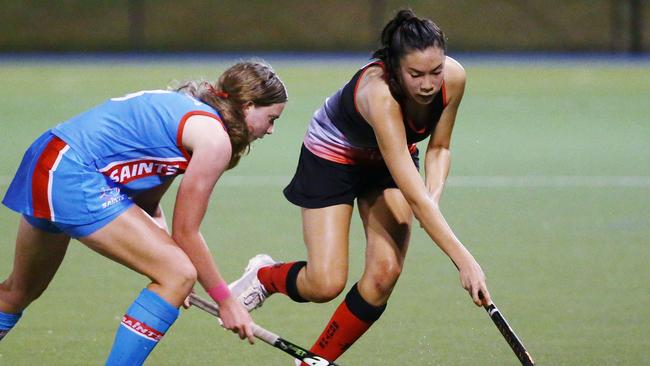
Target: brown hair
(248,81)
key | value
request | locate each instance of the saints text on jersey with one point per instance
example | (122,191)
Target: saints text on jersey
(126,171)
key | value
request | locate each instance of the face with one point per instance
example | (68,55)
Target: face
(260,119)
(421,73)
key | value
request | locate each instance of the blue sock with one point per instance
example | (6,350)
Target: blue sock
(7,321)
(143,325)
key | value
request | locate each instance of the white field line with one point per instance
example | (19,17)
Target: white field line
(552,181)
(538,181)
(483,181)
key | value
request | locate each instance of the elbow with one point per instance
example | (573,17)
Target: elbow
(177,237)
(440,152)
(422,206)
(421,203)
(182,235)
(185,228)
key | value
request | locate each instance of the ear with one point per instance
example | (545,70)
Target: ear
(246,107)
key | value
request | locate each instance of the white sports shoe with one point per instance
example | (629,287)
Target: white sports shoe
(312,362)
(248,289)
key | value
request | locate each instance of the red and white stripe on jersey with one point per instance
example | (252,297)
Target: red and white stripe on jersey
(347,155)
(126,171)
(324,140)
(43,176)
(141,329)
(181,128)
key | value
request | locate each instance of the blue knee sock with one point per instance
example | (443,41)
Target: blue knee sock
(143,325)
(7,321)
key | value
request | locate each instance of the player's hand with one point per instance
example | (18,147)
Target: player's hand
(235,318)
(473,280)
(186,303)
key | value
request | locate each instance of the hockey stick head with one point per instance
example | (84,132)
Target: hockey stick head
(302,354)
(316,361)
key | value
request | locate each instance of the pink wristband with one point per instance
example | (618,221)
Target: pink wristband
(219,292)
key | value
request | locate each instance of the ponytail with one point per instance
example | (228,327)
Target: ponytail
(250,81)
(401,35)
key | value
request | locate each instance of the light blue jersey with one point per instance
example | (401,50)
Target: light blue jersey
(135,140)
(84,172)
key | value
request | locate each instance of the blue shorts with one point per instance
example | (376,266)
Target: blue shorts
(56,191)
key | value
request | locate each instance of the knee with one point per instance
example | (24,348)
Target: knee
(180,276)
(325,288)
(327,291)
(186,275)
(17,298)
(384,277)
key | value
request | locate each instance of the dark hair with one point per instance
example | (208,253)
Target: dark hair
(404,34)
(249,81)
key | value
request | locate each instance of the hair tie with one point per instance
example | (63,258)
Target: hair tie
(218,93)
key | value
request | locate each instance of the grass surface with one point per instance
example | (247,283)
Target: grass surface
(563,236)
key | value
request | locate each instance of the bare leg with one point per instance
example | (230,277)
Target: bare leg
(37,258)
(326,232)
(387,221)
(134,240)
(320,279)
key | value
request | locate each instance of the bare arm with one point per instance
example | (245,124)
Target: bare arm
(211,150)
(384,114)
(438,155)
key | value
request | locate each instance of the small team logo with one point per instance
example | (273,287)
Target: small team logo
(111,196)
(108,192)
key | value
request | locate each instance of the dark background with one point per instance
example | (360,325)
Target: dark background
(594,26)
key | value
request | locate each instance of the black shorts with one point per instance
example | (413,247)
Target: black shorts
(321,183)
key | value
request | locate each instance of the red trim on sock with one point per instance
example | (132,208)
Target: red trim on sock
(141,329)
(274,278)
(340,333)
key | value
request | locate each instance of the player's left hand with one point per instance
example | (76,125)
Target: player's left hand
(472,279)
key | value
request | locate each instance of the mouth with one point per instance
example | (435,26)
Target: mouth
(425,97)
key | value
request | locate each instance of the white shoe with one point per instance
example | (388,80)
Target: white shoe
(248,289)
(311,362)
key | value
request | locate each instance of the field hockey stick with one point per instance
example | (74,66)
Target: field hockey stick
(506,330)
(274,340)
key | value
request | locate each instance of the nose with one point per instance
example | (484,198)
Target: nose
(427,84)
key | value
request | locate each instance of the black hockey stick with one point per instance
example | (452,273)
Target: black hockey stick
(513,341)
(274,340)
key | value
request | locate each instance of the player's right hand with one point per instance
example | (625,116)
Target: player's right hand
(235,318)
